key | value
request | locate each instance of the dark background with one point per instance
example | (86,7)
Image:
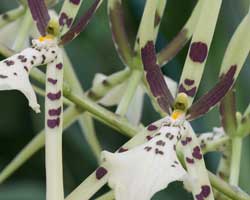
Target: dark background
(94,52)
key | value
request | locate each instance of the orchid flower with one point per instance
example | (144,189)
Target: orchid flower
(146,169)
(123,164)
(14,76)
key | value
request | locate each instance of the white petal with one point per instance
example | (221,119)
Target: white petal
(14,71)
(139,173)
(113,97)
(172,85)
(9,32)
(136,106)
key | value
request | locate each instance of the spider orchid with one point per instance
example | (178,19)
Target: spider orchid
(46,50)
(144,163)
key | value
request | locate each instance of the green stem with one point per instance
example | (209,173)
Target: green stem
(235,161)
(11,15)
(70,115)
(23,31)
(85,121)
(232,192)
(132,85)
(236,153)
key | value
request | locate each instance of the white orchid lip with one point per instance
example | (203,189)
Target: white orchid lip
(14,71)
(142,171)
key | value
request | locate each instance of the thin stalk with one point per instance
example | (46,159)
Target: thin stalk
(24,29)
(11,15)
(132,85)
(235,161)
(232,192)
(236,153)
(70,116)
(85,121)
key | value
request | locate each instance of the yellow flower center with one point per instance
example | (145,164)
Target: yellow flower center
(177,114)
(46,37)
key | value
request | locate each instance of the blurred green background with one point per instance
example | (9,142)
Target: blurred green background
(94,52)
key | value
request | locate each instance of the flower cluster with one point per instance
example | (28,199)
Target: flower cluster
(163,152)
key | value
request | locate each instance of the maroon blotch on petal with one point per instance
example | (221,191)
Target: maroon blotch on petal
(53,81)
(197,153)
(188,81)
(122,150)
(211,98)
(191,92)
(155,78)
(205,190)
(59,66)
(149,137)
(76,2)
(52,123)
(80,26)
(100,172)
(152,127)
(40,14)
(64,19)
(55,112)
(198,51)
(54,96)
(189,160)
(199,197)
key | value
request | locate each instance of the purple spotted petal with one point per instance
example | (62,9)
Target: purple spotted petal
(80,26)
(40,14)
(155,78)
(210,99)
(228,112)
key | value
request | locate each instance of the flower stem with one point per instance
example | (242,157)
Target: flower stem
(70,115)
(85,121)
(235,161)
(11,15)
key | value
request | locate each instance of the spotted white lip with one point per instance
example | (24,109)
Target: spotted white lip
(141,172)
(14,71)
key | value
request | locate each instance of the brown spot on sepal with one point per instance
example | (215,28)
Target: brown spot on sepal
(157,19)
(101,172)
(211,98)
(198,52)
(190,92)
